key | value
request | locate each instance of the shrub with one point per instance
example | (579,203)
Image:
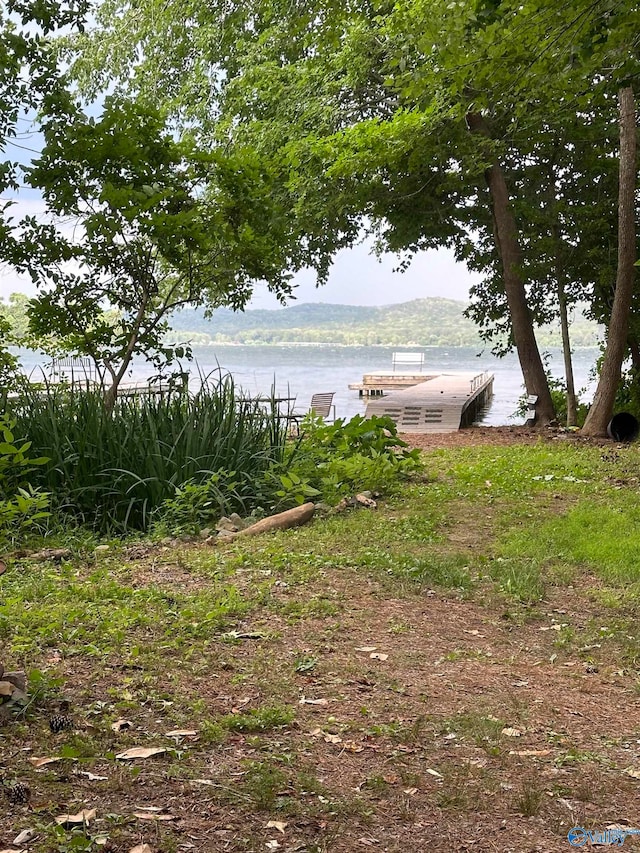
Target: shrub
(113,470)
(346,456)
(21,505)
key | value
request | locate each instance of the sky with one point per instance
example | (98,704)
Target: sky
(360,278)
(357,276)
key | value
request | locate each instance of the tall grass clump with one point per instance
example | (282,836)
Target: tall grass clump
(113,470)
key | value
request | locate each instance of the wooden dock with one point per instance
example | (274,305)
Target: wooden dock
(375,384)
(439,403)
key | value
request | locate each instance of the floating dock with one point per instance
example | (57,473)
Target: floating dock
(375,384)
(421,403)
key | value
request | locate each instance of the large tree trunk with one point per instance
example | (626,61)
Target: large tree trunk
(603,401)
(508,246)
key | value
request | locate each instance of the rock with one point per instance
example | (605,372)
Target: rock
(226,534)
(18,697)
(1,670)
(239,521)
(368,502)
(101,549)
(323,508)
(346,503)
(166,541)
(18,679)
(228,525)
(6,690)
(205,533)
(365,494)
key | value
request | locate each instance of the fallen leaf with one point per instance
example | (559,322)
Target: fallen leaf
(434,773)
(140,752)
(177,733)
(83,817)
(3,567)
(331,738)
(474,632)
(272,845)
(352,746)
(91,776)
(411,791)
(13,850)
(304,701)
(42,762)
(526,752)
(24,838)
(391,778)
(378,656)
(633,772)
(141,848)
(148,815)
(511,732)
(280,825)
(121,725)
(366,648)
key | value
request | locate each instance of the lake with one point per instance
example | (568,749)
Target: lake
(301,370)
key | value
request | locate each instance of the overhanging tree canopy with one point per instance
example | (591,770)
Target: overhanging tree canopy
(366,109)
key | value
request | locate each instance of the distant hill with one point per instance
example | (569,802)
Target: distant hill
(421,322)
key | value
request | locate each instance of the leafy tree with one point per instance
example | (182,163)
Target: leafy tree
(429,123)
(617,333)
(29,80)
(141,224)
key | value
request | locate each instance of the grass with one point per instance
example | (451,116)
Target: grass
(263,648)
(114,472)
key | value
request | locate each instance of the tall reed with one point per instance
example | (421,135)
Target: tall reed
(112,471)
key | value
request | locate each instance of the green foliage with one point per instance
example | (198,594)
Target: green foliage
(112,470)
(423,322)
(328,462)
(22,507)
(343,457)
(164,224)
(558,388)
(628,394)
(198,505)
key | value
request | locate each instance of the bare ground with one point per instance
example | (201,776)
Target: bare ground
(427,722)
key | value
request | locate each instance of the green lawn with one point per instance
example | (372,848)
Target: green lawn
(461,659)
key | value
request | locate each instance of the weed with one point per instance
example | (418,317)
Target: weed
(260,719)
(262,784)
(529,799)
(484,730)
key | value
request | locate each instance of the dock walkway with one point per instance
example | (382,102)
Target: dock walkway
(439,403)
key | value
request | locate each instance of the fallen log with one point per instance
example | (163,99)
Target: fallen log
(281,521)
(47,554)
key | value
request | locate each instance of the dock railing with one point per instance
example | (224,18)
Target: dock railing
(478,381)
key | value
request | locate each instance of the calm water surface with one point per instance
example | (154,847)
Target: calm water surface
(301,370)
